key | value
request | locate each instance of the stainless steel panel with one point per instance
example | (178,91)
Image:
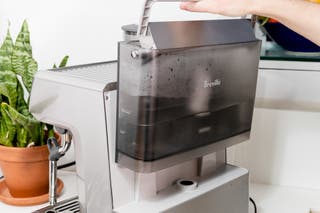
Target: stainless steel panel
(183,34)
(71,205)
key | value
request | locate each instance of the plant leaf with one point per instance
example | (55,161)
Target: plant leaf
(8,85)
(7,129)
(23,39)
(25,66)
(31,125)
(6,51)
(64,61)
(22,106)
(22,136)
(22,62)
(50,130)
(42,135)
(8,79)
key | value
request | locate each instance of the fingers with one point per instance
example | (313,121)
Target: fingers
(199,6)
(222,7)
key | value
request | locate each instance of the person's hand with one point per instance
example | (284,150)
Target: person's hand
(222,7)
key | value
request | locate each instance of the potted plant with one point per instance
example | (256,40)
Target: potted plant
(23,150)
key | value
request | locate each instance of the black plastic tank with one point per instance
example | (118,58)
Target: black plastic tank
(195,86)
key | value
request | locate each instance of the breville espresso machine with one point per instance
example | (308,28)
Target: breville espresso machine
(151,129)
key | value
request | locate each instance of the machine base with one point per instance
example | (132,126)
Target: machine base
(226,191)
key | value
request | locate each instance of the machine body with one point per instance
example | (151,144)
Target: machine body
(144,143)
(76,99)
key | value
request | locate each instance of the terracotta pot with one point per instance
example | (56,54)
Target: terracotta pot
(26,170)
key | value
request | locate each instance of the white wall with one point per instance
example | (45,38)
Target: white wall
(285,141)
(87,30)
(284,148)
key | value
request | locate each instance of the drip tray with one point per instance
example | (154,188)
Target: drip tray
(71,205)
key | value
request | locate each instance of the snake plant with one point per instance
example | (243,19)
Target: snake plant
(18,128)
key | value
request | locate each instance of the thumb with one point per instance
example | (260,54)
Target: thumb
(199,6)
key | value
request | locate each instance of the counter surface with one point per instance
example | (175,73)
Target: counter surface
(269,198)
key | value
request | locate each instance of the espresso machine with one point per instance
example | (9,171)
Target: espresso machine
(151,130)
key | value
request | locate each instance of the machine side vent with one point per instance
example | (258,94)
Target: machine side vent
(67,206)
(98,72)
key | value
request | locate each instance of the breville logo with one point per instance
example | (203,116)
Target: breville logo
(210,84)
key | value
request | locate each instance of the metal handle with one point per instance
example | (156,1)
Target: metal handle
(52,183)
(56,152)
(143,25)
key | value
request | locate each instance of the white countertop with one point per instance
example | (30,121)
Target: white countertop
(69,191)
(281,199)
(269,198)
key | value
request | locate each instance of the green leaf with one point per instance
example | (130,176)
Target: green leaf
(8,85)
(50,130)
(26,67)
(6,51)
(22,61)
(64,61)
(22,106)
(7,135)
(8,79)
(7,129)
(42,135)
(32,126)
(22,136)
(23,39)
